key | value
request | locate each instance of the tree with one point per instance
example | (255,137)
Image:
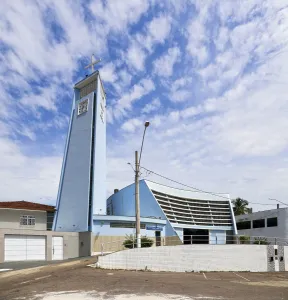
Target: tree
(241,207)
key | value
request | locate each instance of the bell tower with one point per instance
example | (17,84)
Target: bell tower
(82,187)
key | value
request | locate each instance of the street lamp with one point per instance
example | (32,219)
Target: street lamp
(137,196)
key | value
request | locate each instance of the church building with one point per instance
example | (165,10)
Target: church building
(168,215)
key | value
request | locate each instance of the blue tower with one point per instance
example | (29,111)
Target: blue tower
(82,187)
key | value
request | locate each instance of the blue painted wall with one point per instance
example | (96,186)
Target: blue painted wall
(123,204)
(99,181)
(72,209)
(103,228)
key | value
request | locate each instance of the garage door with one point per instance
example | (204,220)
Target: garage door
(25,247)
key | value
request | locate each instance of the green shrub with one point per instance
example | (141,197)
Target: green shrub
(260,241)
(244,239)
(130,242)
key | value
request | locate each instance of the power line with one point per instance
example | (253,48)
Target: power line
(278,201)
(198,190)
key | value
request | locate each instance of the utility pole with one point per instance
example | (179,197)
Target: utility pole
(137,196)
(137,202)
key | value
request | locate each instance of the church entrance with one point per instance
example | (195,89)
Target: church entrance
(195,236)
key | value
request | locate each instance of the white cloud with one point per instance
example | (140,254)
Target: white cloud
(157,32)
(180,95)
(142,88)
(135,57)
(197,38)
(180,90)
(131,125)
(117,15)
(159,28)
(35,177)
(125,77)
(182,82)
(45,99)
(151,106)
(224,70)
(108,73)
(164,65)
(238,11)
(222,39)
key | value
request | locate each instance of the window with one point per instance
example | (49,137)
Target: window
(50,218)
(82,107)
(27,220)
(259,223)
(244,225)
(272,222)
(125,225)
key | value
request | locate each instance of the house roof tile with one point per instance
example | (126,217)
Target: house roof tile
(27,205)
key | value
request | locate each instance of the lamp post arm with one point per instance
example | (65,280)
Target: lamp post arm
(142,146)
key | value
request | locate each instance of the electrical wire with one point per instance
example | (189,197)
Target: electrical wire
(278,201)
(198,190)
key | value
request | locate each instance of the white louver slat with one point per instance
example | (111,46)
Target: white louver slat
(194,211)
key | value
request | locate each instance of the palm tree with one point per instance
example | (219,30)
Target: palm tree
(240,207)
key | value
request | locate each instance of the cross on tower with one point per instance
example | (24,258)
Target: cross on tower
(93,62)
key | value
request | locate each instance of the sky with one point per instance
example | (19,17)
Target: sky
(210,76)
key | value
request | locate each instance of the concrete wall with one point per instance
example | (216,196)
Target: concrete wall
(286,257)
(109,243)
(72,242)
(10,218)
(280,231)
(188,258)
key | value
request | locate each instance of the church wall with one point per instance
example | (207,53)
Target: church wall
(72,210)
(99,181)
(123,204)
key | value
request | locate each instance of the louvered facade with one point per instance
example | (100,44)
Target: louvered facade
(194,212)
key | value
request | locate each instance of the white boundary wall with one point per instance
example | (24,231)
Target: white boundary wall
(188,258)
(286,257)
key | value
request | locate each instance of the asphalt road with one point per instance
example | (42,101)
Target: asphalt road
(74,280)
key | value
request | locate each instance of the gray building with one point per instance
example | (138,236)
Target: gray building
(272,224)
(26,215)
(25,234)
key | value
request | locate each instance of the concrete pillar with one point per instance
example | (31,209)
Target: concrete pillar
(1,247)
(49,247)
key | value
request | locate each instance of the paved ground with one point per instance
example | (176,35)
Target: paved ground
(79,282)
(19,265)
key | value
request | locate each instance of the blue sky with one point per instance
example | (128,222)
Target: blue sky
(210,76)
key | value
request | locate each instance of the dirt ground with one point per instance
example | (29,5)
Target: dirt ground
(76,281)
